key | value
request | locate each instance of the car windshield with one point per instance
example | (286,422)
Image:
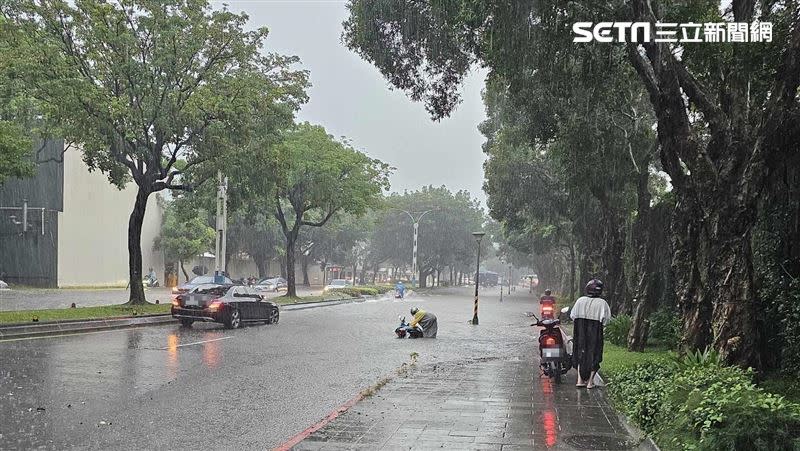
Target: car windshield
(202,279)
(339,283)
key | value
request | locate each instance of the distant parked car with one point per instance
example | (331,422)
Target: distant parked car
(231,305)
(337,283)
(197,281)
(4,286)
(271,284)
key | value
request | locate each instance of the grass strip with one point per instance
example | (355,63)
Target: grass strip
(105,311)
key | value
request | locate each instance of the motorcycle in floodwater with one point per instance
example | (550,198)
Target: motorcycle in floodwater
(555,349)
(150,283)
(404,330)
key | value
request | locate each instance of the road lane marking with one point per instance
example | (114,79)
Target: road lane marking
(194,343)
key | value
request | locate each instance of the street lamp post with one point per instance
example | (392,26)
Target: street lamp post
(478,236)
(222,226)
(415,221)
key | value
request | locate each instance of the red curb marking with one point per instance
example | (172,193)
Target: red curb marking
(286,446)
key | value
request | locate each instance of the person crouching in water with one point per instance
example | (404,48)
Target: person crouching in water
(424,323)
(590,314)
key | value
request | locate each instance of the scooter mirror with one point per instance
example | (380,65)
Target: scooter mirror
(565,310)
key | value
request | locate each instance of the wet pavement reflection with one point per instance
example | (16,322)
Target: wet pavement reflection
(159,387)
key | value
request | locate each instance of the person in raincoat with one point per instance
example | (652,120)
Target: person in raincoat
(590,314)
(424,321)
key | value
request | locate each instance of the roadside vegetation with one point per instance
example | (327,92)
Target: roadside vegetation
(103,312)
(698,402)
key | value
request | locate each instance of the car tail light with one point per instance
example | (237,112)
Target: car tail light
(215,305)
(550,342)
(176,302)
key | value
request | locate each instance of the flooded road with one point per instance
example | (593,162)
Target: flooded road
(171,387)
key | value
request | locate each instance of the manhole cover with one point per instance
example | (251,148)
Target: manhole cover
(599,442)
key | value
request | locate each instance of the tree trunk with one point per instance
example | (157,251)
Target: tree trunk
(263,267)
(185,274)
(423,279)
(642,238)
(363,276)
(135,248)
(730,287)
(289,265)
(306,282)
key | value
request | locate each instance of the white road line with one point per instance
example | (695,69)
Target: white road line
(195,343)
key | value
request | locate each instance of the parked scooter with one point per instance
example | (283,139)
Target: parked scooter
(404,330)
(150,283)
(555,349)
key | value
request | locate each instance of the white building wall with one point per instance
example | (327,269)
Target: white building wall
(93,229)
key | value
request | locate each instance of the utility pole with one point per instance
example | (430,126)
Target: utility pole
(415,221)
(510,277)
(222,221)
(478,236)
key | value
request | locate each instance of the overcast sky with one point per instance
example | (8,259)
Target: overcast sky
(349,97)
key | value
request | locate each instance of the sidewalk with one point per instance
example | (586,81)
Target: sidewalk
(491,404)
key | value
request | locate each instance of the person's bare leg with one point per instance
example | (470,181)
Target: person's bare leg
(581,382)
(590,384)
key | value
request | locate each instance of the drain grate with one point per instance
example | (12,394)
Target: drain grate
(600,442)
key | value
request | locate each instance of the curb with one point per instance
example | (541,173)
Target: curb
(76,326)
(302,435)
(80,326)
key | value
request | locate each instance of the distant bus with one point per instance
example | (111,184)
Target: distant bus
(488,278)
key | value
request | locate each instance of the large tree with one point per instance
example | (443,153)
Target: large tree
(725,115)
(315,177)
(142,84)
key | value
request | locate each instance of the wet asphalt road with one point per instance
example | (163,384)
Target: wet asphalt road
(171,388)
(47,298)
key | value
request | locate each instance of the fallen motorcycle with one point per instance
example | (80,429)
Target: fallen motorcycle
(404,330)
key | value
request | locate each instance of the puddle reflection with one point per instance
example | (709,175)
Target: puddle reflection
(172,355)
(211,354)
(548,417)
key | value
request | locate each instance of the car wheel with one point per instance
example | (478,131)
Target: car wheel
(274,315)
(233,319)
(186,322)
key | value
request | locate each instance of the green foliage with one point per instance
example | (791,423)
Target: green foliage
(184,237)
(707,358)
(665,327)
(15,152)
(705,406)
(362,290)
(639,392)
(617,329)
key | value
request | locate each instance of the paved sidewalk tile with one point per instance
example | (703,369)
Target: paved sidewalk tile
(490,404)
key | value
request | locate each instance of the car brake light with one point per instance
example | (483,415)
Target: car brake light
(176,303)
(550,342)
(215,305)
